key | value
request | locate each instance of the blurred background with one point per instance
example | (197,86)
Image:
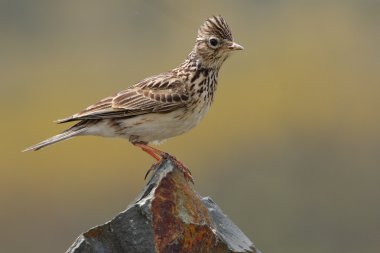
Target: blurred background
(290,149)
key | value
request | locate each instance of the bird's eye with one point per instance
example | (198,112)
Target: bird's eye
(214,42)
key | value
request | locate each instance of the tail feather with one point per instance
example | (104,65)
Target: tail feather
(71,132)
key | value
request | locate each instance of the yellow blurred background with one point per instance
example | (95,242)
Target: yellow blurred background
(290,149)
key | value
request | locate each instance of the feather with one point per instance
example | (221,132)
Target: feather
(71,132)
(159,94)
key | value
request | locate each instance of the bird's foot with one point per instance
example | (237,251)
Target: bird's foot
(152,168)
(186,172)
(158,155)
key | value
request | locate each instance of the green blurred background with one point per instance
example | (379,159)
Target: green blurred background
(290,150)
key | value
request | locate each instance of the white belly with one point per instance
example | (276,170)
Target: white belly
(158,127)
(153,127)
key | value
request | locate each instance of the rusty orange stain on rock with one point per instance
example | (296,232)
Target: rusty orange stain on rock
(181,223)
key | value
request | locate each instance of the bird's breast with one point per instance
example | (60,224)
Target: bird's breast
(156,127)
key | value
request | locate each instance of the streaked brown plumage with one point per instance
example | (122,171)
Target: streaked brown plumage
(161,106)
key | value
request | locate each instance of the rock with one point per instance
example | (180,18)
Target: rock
(168,216)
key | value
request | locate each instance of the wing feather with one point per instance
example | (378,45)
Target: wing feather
(158,94)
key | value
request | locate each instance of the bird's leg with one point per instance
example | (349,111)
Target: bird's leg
(155,153)
(158,155)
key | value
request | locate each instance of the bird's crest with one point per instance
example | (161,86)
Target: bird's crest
(215,25)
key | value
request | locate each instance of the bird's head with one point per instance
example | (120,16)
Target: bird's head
(214,42)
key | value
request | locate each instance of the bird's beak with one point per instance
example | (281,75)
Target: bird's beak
(235,46)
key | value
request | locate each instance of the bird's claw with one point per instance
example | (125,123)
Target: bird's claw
(152,168)
(186,172)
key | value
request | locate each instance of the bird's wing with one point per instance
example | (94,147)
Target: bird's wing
(158,94)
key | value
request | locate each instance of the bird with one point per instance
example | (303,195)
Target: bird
(161,106)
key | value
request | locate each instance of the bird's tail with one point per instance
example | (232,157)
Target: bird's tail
(71,132)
